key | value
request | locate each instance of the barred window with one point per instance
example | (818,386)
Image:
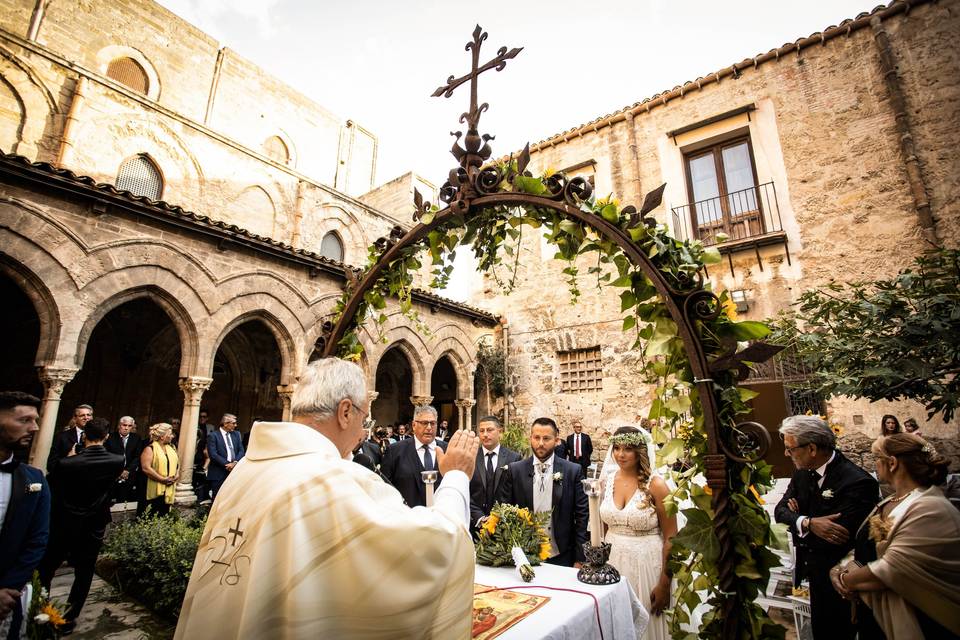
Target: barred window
(580,370)
(276,149)
(141,177)
(331,247)
(128,71)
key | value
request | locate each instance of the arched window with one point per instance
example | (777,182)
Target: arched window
(276,149)
(128,71)
(141,177)
(332,247)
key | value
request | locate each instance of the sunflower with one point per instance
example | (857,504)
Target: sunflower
(56,618)
(544,550)
(490,526)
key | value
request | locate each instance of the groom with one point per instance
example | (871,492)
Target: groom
(545,482)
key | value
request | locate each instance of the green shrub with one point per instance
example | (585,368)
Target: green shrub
(516,436)
(150,559)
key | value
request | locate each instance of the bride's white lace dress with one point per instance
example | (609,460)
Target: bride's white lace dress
(636,548)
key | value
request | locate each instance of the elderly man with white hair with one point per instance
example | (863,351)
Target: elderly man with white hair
(301,542)
(827,499)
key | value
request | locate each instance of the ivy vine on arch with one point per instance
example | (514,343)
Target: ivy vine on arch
(693,346)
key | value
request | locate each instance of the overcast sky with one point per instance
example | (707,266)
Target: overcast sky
(377,61)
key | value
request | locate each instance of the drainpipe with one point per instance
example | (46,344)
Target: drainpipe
(888,65)
(298,215)
(214,84)
(66,141)
(36,20)
(634,157)
(505,327)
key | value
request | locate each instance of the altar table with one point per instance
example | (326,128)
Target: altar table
(570,616)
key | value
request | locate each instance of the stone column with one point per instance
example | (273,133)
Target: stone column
(286,393)
(466,417)
(54,380)
(193,388)
(419,401)
(371,397)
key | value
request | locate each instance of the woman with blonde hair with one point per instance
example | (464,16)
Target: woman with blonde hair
(913,587)
(161,465)
(637,524)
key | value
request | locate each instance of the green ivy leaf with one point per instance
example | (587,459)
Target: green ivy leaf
(698,535)
(749,330)
(629,323)
(610,213)
(711,255)
(671,452)
(532,186)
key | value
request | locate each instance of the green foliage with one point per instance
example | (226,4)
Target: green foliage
(885,340)
(151,558)
(492,368)
(494,235)
(510,526)
(516,436)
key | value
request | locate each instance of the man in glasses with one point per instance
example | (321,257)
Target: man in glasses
(405,460)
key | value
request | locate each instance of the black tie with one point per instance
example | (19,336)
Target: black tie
(9,467)
(427,460)
(490,478)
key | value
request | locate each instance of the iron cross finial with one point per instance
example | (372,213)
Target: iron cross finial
(472,117)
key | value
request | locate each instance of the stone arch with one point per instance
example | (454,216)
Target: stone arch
(462,360)
(112,52)
(254,210)
(289,147)
(179,315)
(24,84)
(407,341)
(126,182)
(338,219)
(286,342)
(44,303)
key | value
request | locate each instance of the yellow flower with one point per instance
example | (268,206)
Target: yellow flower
(708,491)
(756,495)
(730,309)
(549,171)
(491,524)
(837,429)
(544,550)
(56,618)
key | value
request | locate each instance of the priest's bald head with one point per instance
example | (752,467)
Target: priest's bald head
(331,397)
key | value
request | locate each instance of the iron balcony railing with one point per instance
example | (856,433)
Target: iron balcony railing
(741,214)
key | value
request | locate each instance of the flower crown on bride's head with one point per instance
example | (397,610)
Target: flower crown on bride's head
(631,439)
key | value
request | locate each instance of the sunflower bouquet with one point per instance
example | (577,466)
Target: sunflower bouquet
(45,616)
(514,536)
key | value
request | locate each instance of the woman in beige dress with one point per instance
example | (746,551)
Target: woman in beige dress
(637,526)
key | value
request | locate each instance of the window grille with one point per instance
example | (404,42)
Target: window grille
(275,149)
(331,247)
(140,176)
(580,370)
(128,72)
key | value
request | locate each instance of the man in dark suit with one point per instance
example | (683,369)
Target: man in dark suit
(225,449)
(579,447)
(405,460)
(492,462)
(81,511)
(125,442)
(24,505)
(827,499)
(69,442)
(546,482)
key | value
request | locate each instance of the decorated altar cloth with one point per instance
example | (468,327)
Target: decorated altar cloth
(570,612)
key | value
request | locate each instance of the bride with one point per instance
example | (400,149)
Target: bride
(637,526)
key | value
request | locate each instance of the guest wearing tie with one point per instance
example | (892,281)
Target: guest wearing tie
(24,508)
(80,514)
(226,450)
(125,441)
(546,482)
(405,460)
(492,461)
(579,447)
(827,499)
(69,442)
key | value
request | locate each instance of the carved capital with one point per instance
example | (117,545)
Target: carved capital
(193,388)
(419,401)
(286,392)
(372,395)
(54,380)
(465,403)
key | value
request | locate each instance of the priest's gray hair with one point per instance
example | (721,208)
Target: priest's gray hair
(324,383)
(421,409)
(809,430)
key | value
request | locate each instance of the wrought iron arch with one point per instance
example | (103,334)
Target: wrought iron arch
(474,186)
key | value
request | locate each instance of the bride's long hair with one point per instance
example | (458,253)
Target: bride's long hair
(643,460)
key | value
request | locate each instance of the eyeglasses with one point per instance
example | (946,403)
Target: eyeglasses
(368,422)
(789,450)
(427,423)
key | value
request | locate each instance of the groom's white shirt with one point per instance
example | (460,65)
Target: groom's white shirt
(300,542)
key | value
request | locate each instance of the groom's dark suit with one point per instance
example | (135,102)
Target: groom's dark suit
(402,466)
(850,491)
(483,491)
(570,506)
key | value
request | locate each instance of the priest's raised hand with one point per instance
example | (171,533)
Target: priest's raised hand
(302,542)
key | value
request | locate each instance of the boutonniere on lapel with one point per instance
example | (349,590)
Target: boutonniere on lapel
(504,467)
(34,487)
(558,477)
(827,494)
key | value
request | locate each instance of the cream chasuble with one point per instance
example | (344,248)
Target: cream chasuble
(301,543)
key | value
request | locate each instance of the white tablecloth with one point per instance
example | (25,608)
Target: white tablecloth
(570,616)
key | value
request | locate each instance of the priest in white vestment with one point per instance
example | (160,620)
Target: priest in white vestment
(303,543)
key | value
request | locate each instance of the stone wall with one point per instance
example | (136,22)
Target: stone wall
(856,446)
(822,131)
